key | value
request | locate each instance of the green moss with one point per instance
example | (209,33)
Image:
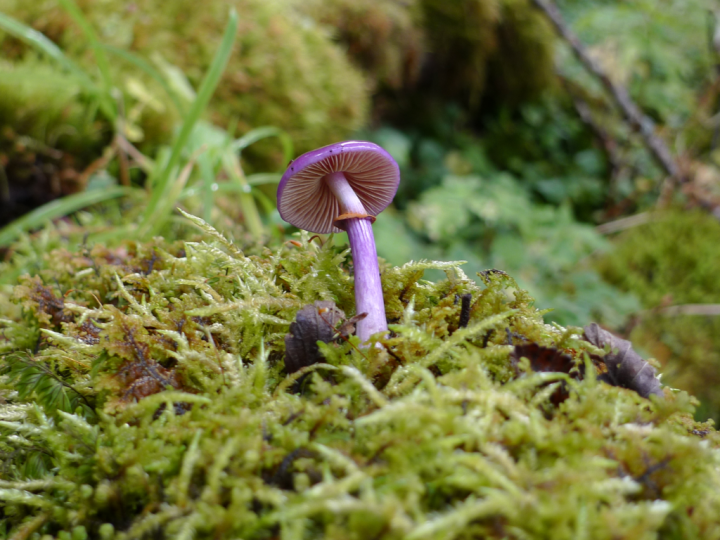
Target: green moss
(385,38)
(675,260)
(502,49)
(40,102)
(459,50)
(284,72)
(522,64)
(187,425)
(288,72)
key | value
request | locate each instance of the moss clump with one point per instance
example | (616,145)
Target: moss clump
(284,72)
(45,104)
(385,38)
(675,260)
(500,48)
(144,396)
(459,51)
(47,136)
(522,63)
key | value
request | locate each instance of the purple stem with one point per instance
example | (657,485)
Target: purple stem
(368,290)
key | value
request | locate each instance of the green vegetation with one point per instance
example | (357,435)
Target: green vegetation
(281,73)
(144,391)
(166,176)
(493,219)
(156,403)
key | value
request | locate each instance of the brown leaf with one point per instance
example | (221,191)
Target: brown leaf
(626,368)
(547,359)
(543,359)
(347,328)
(313,323)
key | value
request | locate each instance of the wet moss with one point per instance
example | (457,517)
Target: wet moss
(188,425)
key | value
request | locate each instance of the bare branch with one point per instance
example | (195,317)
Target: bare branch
(624,223)
(707,310)
(632,113)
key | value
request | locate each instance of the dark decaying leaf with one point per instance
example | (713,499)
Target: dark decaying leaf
(547,359)
(313,323)
(543,359)
(626,368)
(347,328)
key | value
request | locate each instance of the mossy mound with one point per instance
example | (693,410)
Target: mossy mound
(385,38)
(145,396)
(496,52)
(675,260)
(41,102)
(458,51)
(47,136)
(285,71)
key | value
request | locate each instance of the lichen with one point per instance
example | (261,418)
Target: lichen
(145,396)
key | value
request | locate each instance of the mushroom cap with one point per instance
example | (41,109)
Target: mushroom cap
(305,201)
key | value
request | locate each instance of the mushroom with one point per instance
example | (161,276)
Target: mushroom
(343,186)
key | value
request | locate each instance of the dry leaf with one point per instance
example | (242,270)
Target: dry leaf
(626,368)
(313,323)
(547,359)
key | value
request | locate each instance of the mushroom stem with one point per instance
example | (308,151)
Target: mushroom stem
(368,290)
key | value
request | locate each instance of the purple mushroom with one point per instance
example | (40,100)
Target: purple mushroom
(343,187)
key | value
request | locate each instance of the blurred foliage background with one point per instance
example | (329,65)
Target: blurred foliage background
(513,155)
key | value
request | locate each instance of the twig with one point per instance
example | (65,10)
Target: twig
(465,310)
(123,162)
(624,223)
(30,527)
(707,310)
(630,110)
(609,144)
(100,163)
(143,161)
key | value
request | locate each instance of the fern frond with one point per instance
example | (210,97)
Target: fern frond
(32,378)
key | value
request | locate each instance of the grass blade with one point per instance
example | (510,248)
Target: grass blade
(267,204)
(253,180)
(59,208)
(152,220)
(264,178)
(207,185)
(76,13)
(148,68)
(179,183)
(257,134)
(231,164)
(42,44)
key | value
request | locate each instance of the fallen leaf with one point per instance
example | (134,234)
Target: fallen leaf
(544,360)
(626,368)
(313,323)
(347,328)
